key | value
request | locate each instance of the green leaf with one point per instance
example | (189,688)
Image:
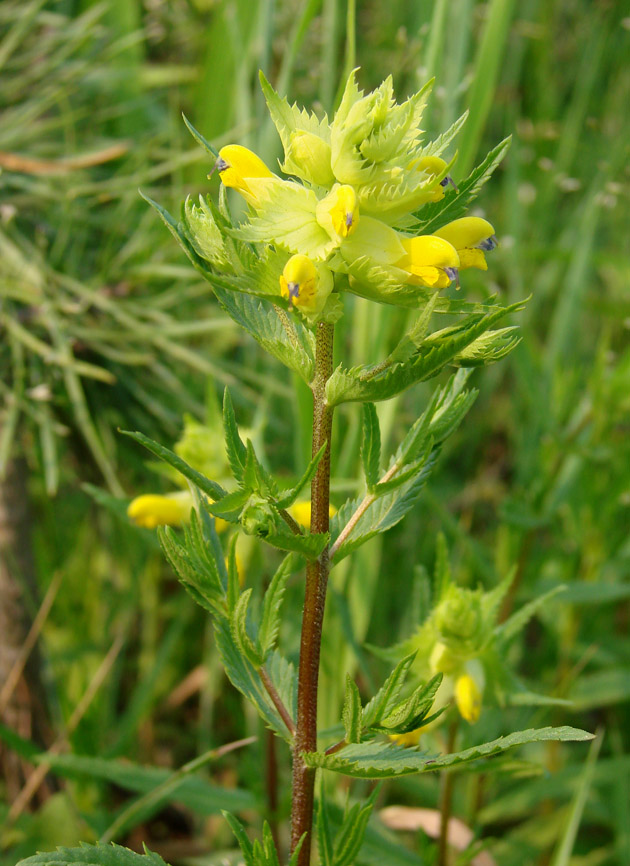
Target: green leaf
(210,488)
(94,855)
(511,627)
(256,479)
(383,513)
(351,714)
(244,677)
(309,544)
(455,204)
(199,138)
(242,838)
(370,444)
(385,699)
(413,711)
(233,583)
(236,451)
(385,760)
(193,792)
(350,835)
(197,559)
(490,347)
(436,351)
(405,473)
(240,633)
(230,506)
(288,497)
(324,834)
(272,604)
(281,335)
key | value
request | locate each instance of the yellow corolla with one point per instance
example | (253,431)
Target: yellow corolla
(171,509)
(430,261)
(152,509)
(468,698)
(433,166)
(305,285)
(239,168)
(338,212)
(301,513)
(471,237)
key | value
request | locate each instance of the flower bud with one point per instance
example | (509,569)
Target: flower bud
(308,157)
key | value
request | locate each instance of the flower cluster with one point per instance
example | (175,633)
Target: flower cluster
(347,217)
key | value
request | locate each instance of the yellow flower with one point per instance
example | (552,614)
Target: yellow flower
(152,509)
(171,509)
(338,212)
(301,512)
(305,285)
(469,691)
(471,237)
(430,261)
(432,166)
(238,167)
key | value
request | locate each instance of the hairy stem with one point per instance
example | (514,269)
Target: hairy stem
(314,600)
(446,800)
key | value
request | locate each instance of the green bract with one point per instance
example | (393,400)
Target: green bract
(359,189)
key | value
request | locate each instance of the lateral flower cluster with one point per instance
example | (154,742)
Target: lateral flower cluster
(346,218)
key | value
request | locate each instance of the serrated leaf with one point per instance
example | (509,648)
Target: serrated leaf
(197,559)
(438,350)
(241,837)
(233,582)
(309,544)
(436,147)
(281,335)
(94,855)
(490,347)
(324,835)
(370,444)
(244,677)
(288,497)
(511,627)
(382,761)
(235,449)
(256,479)
(350,836)
(272,604)
(351,713)
(383,513)
(433,216)
(230,506)
(411,713)
(210,488)
(240,633)
(385,699)
(404,473)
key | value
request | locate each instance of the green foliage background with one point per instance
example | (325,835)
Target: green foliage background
(537,478)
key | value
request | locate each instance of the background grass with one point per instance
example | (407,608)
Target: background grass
(538,477)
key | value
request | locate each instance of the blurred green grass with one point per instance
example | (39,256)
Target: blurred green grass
(538,477)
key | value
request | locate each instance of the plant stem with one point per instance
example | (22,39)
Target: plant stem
(314,601)
(446,799)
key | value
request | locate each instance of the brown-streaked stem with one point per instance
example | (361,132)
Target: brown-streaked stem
(314,601)
(446,799)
